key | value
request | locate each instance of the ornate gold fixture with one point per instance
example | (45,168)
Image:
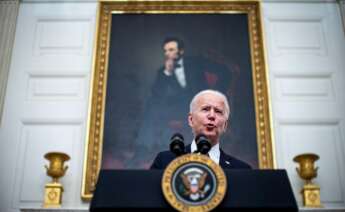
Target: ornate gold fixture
(56,169)
(310,191)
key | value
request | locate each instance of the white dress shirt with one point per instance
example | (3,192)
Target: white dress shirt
(214,152)
(179,74)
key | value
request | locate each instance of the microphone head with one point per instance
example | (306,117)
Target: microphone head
(200,137)
(203,144)
(177,136)
(177,144)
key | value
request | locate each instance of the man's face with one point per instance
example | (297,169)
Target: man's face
(171,51)
(208,117)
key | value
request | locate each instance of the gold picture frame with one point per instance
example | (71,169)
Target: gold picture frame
(97,102)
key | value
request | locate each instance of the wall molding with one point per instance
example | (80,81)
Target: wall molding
(8,19)
(342,12)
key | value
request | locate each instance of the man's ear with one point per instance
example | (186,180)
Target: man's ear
(190,120)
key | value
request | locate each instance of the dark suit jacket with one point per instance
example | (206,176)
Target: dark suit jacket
(226,161)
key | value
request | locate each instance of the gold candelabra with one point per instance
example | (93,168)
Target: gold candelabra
(307,171)
(56,169)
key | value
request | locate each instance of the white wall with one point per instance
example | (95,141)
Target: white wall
(48,89)
(46,102)
(8,20)
(306,59)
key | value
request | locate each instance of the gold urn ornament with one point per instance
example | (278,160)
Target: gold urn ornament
(56,169)
(307,171)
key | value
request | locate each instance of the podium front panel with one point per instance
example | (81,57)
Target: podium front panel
(248,190)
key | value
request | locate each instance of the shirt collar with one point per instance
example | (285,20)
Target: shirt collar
(214,152)
(180,62)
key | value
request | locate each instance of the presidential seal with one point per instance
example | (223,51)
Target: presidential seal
(194,182)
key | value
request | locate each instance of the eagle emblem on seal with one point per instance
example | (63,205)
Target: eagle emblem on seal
(194,182)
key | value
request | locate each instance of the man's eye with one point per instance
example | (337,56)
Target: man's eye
(219,111)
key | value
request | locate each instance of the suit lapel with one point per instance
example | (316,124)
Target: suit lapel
(192,74)
(187,72)
(224,162)
(188,148)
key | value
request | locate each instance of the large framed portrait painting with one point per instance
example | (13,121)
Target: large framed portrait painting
(134,111)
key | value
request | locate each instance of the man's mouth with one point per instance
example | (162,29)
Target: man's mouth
(210,126)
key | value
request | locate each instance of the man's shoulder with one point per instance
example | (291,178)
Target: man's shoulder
(193,59)
(166,154)
(233,162)
(162,160)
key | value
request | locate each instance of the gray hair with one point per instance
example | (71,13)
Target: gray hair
(213,92)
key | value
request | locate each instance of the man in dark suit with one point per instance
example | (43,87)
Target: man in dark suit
(209,115)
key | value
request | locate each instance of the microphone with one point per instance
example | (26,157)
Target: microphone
(177,145)
(203,144)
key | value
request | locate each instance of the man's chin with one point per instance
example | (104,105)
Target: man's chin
(210,135)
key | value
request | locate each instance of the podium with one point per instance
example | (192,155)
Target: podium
(248,190)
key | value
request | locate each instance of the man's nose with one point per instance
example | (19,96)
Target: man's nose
(211,114)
